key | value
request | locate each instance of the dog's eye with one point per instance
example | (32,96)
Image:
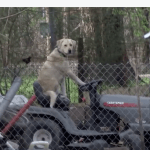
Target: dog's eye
(70,44)
(65,45)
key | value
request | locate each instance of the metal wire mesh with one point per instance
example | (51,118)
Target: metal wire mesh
(102,116)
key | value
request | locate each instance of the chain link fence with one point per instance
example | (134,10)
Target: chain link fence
(98,115)
(108,114)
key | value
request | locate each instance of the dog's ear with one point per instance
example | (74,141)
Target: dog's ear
(59,42)
(74,45)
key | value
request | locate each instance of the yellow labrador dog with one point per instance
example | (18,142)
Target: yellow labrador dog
(56,68)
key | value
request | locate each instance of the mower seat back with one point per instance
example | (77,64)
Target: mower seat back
(62,102)
(42,99)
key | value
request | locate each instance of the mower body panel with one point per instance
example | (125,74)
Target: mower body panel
(127,107)
(64,119)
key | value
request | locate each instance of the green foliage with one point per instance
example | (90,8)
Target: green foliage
(72,90)
(26,87)
(17,33)
(5,85)
(145,81)
(138,19)
(103,30)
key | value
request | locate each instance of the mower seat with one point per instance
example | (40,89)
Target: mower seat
(62,102)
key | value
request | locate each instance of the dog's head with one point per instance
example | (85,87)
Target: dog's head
(66,46)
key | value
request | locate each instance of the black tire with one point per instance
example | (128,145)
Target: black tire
(41,124)
(129,146)
(132,142)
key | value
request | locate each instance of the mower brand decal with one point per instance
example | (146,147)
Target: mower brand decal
(119,104)
(115,102)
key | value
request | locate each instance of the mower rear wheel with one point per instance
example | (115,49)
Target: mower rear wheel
(132,142)
(42,129)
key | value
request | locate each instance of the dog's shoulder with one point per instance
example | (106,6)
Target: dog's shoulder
(51,55)
(54,53)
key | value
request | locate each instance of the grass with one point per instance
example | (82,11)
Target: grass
(72,91)
(26,87)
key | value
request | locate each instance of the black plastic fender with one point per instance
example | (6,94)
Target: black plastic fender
(97,144)
(129,136)
(63,118)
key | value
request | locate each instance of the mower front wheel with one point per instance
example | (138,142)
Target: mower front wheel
(42,129)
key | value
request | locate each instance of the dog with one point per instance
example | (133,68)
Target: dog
(56,68)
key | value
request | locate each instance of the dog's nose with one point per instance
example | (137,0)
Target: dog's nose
(69,51)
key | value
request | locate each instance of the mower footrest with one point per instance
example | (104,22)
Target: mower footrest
(96,145)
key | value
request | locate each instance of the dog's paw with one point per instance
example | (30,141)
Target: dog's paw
(51,106)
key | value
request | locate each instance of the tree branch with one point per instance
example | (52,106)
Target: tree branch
(13,14)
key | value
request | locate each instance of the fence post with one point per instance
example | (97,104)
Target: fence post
(141,130)
(80,66)
(10,95)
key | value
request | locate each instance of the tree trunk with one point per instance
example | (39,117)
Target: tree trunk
(52,29)
(65,24)
(134,47)
(147,46)
(47,37)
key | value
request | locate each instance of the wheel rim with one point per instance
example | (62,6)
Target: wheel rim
(42,135)
(129,146)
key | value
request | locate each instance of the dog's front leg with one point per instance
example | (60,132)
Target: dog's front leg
(63,87)
(75,78)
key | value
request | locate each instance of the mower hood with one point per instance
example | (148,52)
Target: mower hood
(127,107)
